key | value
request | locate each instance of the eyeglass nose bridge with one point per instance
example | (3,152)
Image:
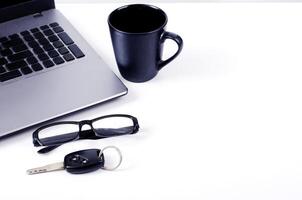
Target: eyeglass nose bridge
(87,134)
(86,122)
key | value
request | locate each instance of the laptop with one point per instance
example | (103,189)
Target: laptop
(47,69)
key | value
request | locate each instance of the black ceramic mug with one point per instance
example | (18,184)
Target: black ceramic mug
(138,34)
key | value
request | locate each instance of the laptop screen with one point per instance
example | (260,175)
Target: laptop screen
(12,9)
(9,3)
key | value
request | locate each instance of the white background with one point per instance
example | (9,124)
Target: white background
(223,121)
(170,1)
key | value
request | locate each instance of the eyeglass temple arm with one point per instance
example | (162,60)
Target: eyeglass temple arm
(48,149)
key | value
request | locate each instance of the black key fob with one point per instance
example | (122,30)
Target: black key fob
(84,161)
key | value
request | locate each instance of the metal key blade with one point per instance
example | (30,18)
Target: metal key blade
(46,168)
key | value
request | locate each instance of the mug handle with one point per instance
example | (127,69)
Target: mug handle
(172,36)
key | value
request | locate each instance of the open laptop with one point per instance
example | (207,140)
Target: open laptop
(46,68)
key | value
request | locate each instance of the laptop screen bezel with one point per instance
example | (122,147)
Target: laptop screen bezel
(26,8)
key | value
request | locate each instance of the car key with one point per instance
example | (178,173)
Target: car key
(78,162)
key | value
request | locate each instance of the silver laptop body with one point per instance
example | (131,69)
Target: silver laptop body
(52,92)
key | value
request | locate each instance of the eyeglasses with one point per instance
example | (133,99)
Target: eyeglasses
(55,134)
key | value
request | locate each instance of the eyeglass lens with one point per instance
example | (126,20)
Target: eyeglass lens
(59,133)
(113,126)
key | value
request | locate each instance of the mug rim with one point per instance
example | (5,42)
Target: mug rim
(140,33)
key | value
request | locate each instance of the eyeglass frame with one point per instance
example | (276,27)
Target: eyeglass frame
(37,141)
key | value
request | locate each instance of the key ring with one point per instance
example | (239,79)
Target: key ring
(119,154)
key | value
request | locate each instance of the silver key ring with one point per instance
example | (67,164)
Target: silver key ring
(120,157)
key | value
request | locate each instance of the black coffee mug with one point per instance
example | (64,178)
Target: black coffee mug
(138,34)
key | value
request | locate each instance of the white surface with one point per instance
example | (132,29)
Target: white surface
(223,121)
(166,1)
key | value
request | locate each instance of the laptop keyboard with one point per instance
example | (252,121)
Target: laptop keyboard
(34,50)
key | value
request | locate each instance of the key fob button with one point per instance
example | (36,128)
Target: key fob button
(83,161)
(77,159)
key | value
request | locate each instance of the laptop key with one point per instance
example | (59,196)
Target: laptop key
(28,38)
(26,70)
(33,44)
(19,48)
(58,29)
(48,63)
(76,51)
(53,53)
(34,30)
(48,32)
(38,50)
(53,38)
(2,70)
(43,56)
(68,57)
(37,67)
(43,41)
(31,60)
(54,24)
(6,52)
(63,50)
(48,47)
(13,42)
(25,33)
(16,65)
(19,56)
(58,60)
(38,35)
(58,44)
(65,38)
(14,36)
(44,27)
(10,75)
(3,39)
(3,61)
